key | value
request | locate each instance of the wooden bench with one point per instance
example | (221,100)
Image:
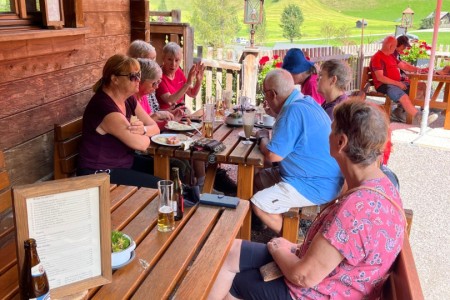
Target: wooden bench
(67,142)
(184,262)
(369,89)
(8,262)
(403,283)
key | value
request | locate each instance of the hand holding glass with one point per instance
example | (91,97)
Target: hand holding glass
(248,119)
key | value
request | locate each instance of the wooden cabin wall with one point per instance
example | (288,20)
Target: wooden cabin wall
(49,80)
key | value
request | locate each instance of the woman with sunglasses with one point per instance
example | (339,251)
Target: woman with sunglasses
(110,134)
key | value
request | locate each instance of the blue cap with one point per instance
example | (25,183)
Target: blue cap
(295,62)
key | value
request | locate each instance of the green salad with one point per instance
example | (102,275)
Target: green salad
(119,241)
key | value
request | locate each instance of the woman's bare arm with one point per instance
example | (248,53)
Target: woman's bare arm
(319,261)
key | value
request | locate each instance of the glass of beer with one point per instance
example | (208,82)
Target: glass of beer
(208,120)
(248,119)
(166,221)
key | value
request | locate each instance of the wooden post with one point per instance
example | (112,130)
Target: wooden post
(249,73)
(139,19)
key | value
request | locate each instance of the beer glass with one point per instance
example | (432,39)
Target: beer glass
(166,221)
(249,120)
(208,119)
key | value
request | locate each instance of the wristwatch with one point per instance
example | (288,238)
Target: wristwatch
(145,131)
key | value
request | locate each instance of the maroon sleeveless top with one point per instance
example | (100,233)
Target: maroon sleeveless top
(99,152)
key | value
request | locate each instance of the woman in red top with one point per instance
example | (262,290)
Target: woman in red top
(174,84)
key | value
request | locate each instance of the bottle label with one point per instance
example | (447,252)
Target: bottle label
(37,270)
(174,207)
(43,297)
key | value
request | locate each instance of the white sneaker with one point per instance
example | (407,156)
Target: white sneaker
(431,118)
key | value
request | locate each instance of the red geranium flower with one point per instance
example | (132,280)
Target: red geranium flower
(278,64)
(263,60)
(275,57)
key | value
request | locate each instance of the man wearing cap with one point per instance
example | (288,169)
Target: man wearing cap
(303,72)
(306,174)
(387,79)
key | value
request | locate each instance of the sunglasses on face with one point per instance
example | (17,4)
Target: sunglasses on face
(132,76)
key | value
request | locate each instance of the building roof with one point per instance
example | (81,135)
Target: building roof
(443,14)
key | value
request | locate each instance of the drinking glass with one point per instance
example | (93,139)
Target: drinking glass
(166,220)
(248,119)
(208,119)
(227,95)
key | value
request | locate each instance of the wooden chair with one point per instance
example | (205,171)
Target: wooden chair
(369,89)
(9,273)
(403,283)
(67,142)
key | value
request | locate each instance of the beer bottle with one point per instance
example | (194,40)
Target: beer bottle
(34,279)
(177,194)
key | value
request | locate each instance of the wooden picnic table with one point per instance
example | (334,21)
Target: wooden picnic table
(443,82)
(184,262)
(246,157)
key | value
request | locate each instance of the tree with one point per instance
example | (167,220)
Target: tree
(162,6)
(327,30)
(291,20)
(215,22)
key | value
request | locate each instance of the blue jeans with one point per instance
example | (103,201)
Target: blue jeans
(393,91)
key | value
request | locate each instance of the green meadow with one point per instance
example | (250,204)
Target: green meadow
(382,16)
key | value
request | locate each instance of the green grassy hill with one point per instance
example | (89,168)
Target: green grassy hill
(381,15)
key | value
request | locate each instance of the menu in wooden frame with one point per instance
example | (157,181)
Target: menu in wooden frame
(70,220)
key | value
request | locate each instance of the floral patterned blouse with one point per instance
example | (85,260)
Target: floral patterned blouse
(368,231)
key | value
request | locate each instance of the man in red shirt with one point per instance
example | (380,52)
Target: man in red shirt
(387,79)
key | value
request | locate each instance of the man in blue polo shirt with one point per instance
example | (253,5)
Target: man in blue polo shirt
(306,174)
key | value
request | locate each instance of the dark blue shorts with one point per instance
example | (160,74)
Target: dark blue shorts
(393,91)
(249,284)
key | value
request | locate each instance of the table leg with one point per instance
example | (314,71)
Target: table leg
(412,96)
(447,110)
(245,191)
(161,166)
(209,178)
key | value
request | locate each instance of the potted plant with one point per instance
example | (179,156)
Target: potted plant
(417,54)
(122,247)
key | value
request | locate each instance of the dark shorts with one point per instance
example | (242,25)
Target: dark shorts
(248,283)
(393,91)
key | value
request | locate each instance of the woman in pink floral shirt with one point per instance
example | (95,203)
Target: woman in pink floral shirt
(352,244)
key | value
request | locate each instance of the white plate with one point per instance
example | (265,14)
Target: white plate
(161,139)
(252,137)
(176,126)
(133,255)
(260,124)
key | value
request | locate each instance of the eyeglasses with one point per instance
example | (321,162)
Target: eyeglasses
(156,83)
(265,92)
(132,76)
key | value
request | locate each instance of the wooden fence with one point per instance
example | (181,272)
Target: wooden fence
(223,69)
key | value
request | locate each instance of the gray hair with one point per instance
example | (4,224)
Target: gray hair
(150,70)
(340,69)
(140,49)
(171,48)
(280,81)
